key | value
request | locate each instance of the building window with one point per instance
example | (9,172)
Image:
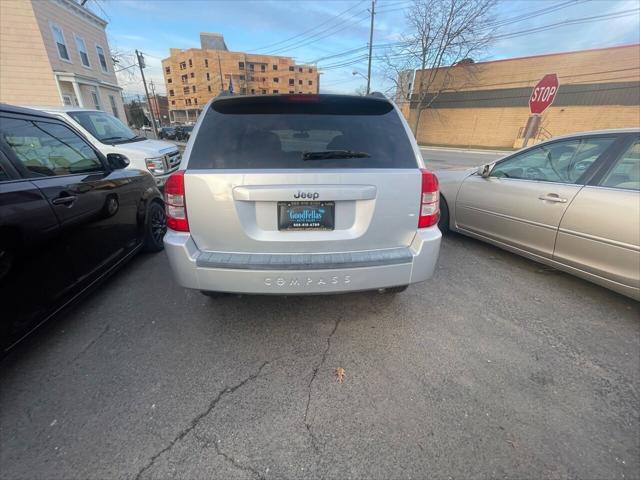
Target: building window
(253,91)
(291,91)
(264,92)
(114,108)
(190,63)
(183,65)
(275,67)
(206,63)
(263,68)
(276,80)
(208,76)
(299,82)
(311,70)
(185,90)
(292,81)
(82,51)
(310,82)
(241,65)
(195,101)
(96,99)
(241,77)
(173,102)
(171,93)
(193,88)
(167,70)
(192,75)
(292,69)
(187,101)
(275,91)
(185,78)
(66,99)
(300,69)
(209,88)
(58,37)
(243,91)
(252,78)
(102,59)
(169,80)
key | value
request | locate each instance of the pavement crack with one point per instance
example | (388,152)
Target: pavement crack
(234,462)
(195,420)
(90,344)
(316,368)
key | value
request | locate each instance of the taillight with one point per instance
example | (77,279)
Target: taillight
(429,200)
(175,202)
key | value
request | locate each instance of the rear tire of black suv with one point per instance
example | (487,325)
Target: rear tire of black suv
(155,228)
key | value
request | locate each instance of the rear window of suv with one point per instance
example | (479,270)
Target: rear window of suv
(301,132)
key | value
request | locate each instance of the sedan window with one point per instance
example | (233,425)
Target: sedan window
(625,173)
(49,149)
(560,162)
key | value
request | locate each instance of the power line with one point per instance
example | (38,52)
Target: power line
(319,35)
(287,40)
(507,21)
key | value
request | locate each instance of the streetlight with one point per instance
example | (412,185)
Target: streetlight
(358,73)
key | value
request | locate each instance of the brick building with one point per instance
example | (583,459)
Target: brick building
(486,104)
(56,53)
(194,76)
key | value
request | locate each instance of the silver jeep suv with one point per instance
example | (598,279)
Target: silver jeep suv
(299,194)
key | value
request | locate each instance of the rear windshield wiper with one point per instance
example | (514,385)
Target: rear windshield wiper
(328,154)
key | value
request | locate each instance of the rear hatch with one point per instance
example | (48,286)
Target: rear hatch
(302,174)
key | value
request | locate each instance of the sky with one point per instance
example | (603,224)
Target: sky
(309,30)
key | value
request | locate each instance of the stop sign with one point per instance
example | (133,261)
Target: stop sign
(544,93)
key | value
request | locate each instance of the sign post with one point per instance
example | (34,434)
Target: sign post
(542,96)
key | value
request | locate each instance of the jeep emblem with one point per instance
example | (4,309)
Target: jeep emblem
(310,195)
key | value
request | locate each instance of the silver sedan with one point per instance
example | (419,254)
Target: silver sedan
(572,202)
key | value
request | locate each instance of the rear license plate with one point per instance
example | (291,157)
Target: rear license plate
(306,215)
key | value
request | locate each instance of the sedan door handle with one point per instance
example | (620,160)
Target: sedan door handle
(552,197)
(68,200)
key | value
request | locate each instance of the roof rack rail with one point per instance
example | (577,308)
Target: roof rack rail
(378,95)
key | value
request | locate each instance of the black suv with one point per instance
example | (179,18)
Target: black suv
(68,217)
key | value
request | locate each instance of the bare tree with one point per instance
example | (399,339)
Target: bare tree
(441,33)
(361,90)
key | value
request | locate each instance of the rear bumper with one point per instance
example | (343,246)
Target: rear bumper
(191,271)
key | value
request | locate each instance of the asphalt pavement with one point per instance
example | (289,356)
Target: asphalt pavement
(498,367)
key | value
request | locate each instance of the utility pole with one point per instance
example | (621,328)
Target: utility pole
(155,99)
(220,73)
(373,12)
(146,91)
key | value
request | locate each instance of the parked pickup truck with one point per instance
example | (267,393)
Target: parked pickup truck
(109,135)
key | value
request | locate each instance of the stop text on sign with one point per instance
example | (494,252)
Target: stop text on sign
(543,93)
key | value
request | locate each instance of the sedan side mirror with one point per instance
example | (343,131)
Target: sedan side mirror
(117,161)
(485,170)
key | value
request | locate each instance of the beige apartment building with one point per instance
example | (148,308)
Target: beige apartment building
(54,53)
(194,76)
(486,104)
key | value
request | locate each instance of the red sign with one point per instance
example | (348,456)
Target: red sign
(544,93)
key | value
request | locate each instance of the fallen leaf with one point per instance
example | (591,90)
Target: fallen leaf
(339,374)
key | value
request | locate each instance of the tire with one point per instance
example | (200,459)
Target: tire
(394,290)
(211,294)
(443,222)
(155,228)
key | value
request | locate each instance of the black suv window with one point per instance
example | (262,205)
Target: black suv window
(301,132)
(48,149)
